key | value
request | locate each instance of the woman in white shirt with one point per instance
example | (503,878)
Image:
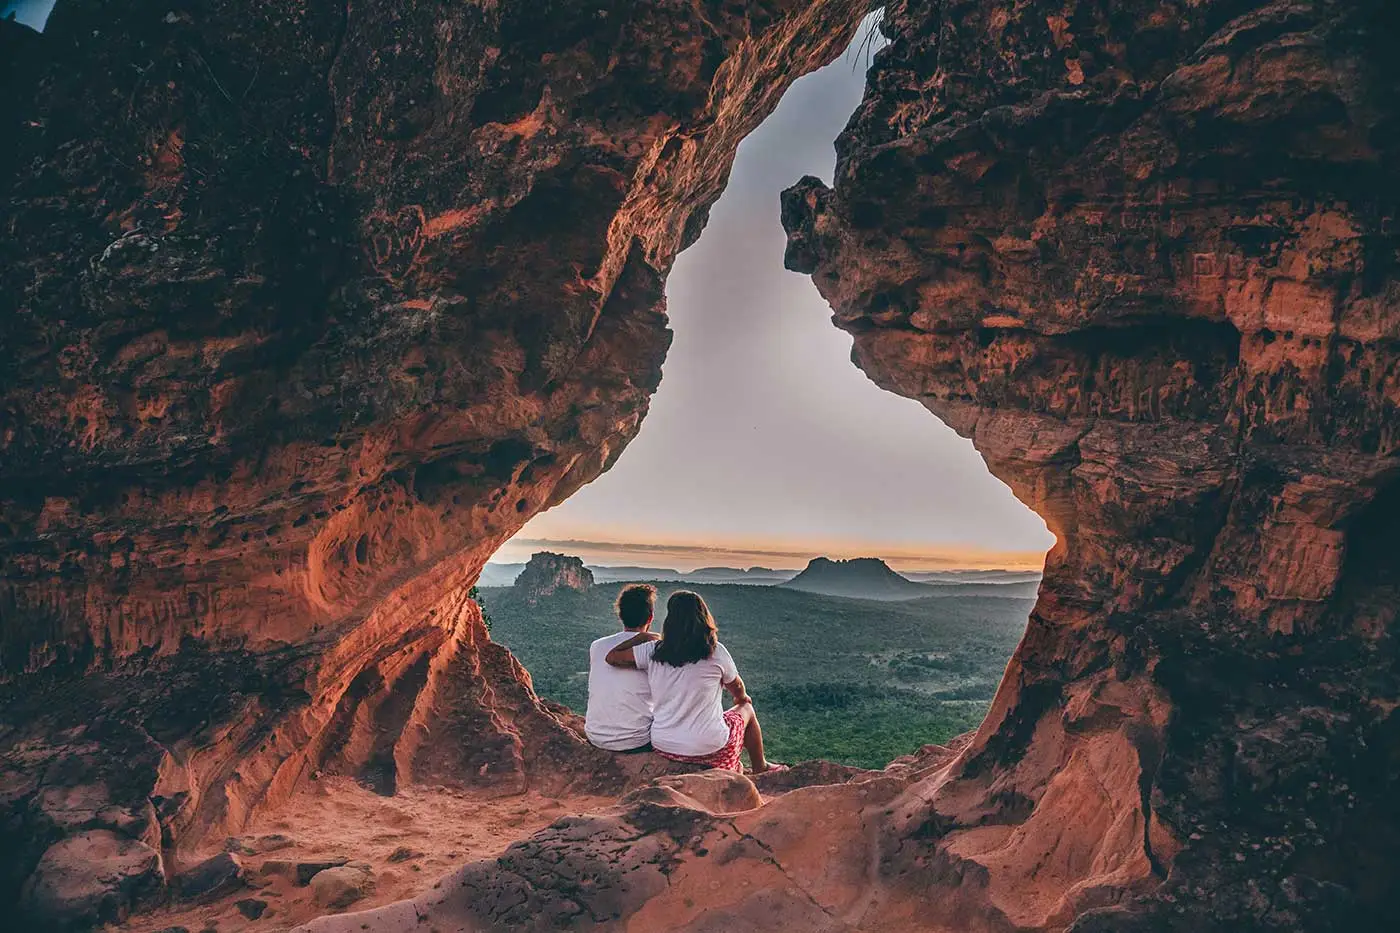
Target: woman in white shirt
(688,671)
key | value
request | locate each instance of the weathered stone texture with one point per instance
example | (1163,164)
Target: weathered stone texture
(307,308)
(1144,254)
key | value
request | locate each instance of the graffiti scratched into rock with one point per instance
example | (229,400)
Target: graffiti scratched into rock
(394,241)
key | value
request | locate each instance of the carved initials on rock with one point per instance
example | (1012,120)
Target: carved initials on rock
(394,241)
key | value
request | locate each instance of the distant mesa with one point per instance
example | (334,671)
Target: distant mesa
(548,573)
(504,574)
(762,576)
(859,578)
(754,575)
(630,574)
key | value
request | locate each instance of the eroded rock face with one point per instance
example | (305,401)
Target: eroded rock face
(548,573)
(92,877)
(305,310)
(1144,254)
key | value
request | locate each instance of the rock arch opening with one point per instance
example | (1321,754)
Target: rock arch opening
(765,448)
(269,269)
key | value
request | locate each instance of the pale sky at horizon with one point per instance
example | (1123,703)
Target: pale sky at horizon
(763,437)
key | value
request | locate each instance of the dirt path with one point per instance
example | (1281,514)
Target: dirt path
(407,842)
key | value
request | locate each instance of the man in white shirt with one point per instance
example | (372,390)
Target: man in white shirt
(688,670)
(619,700)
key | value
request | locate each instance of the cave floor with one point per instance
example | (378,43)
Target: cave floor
(409,841)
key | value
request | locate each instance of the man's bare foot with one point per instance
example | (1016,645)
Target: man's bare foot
(769,766)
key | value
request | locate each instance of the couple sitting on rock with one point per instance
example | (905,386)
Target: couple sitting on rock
(662,693)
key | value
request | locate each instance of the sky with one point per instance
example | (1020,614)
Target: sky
(765,445)
(33,13)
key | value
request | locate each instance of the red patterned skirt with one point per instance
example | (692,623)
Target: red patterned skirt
(726,757)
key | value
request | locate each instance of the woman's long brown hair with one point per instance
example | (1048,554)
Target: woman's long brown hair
(688,634)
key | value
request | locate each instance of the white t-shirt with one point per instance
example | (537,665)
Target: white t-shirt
(619,700)
(687,714)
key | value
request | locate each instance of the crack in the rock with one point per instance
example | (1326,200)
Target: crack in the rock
(772,859)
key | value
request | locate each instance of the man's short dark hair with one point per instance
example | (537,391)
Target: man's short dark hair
(635,604)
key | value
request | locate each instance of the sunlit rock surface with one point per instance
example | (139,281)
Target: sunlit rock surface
(1144,254)
(305,309)
(372,287)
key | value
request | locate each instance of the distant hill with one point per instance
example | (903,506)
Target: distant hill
(1012,590)
(505,574)
(974,576)
(499,574)
(627,574)
(763,576)
(859,578)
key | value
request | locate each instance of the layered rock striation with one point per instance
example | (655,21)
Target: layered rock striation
(306,310)
(1144,254)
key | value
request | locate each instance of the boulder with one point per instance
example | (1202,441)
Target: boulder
(300,871)
(715,790)
(92,877)
(210,878)
(338,888)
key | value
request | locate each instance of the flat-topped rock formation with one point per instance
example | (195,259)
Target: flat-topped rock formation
(547,573)
(860,577)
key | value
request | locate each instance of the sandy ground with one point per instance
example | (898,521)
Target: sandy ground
(409,840)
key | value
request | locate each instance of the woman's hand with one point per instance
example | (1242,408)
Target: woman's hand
(621,656)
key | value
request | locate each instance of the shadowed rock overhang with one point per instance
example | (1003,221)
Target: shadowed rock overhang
(307,310)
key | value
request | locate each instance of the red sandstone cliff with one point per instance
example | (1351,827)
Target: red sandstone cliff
(306,310)
(1145,255)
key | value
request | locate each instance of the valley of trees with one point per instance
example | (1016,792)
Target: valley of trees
(851,680)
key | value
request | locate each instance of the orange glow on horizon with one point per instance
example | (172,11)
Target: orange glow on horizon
(774,553)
